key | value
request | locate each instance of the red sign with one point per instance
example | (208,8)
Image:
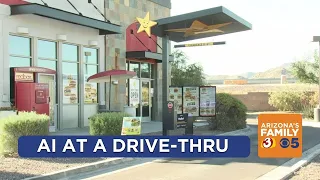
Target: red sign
(170,105)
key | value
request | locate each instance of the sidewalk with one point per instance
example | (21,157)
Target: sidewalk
(146,127)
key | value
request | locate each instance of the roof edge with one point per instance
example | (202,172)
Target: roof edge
(236,17)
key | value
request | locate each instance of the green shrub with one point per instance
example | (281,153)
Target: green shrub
(310,101)
(231,113)
(286,100)
(296,101)
(24,124)
(109,123)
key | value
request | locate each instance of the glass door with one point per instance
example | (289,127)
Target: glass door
(50,79)
(145,101)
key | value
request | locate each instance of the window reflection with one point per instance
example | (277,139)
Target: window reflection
(90,89)
(47,64)
(70,83)
(19,46)
(47,49)
(69,52)
(20,62)
(145,70)
(134,66)
(69,68)
(90,55)
(90,68)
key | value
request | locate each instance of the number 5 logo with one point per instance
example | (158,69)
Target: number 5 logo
(295,142)
(285,143)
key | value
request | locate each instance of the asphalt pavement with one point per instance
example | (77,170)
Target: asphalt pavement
(205,169)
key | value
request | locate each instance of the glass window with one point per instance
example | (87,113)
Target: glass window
(90,55)
(145,70)
(69,68)
(19,46)
(69,52)
(47,64)
(19,62)
(135,66)
(90,69)
(70,83)
(47,49)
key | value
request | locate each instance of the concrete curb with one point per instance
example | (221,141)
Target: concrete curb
(287,169)
(106,163)
(241,132)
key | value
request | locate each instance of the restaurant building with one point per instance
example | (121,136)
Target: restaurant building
(64,42)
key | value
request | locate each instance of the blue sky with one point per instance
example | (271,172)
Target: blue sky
(282,33)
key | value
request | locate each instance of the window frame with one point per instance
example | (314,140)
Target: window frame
(78,70)
(31,41)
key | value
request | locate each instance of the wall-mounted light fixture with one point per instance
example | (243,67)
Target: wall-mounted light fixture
(61,37)
(115,82)
(22,30)
(93,43)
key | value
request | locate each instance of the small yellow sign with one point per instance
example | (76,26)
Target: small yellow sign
(146,24)
(199,44)
(131,126)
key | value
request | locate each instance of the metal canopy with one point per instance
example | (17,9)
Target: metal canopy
(53,13)
(146,55)
(213,16)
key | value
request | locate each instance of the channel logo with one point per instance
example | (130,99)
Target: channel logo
(268,143)
(279,135)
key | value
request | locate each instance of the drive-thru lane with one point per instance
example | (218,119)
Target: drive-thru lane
(208,169)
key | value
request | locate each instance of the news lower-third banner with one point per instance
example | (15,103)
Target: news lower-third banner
(134,146)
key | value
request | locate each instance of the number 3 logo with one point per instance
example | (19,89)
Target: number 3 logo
(268,143)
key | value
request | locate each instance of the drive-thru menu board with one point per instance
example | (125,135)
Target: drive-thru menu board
(175,94)
(191,101)
(207,100)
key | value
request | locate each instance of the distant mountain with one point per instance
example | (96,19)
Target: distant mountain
(274,72)
(271,73)
(248,75)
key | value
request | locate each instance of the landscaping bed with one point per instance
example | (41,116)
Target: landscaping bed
(12,168)
(309,172)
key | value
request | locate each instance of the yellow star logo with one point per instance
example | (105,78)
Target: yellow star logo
(146,24)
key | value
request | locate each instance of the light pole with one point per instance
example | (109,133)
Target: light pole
(317,109)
